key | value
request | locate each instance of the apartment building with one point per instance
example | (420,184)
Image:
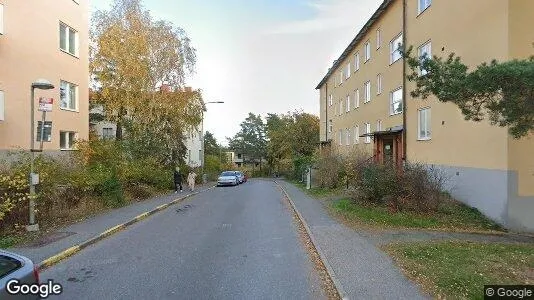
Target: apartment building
(365,102)
(193,141)
(44,40)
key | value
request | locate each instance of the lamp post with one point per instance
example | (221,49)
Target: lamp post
(202,132)
(41,84)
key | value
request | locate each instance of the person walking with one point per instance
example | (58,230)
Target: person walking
(191,180)
(177,180)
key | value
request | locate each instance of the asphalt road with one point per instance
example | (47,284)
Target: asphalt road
(226,243)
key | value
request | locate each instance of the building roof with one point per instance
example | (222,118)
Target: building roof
(385,4)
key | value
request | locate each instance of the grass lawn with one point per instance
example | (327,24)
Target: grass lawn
(450,216)
(9,241)
(459,270)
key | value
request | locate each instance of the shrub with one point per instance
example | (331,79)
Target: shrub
(330,171)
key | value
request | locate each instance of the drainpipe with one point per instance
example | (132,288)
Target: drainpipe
(404,92)
(326,111)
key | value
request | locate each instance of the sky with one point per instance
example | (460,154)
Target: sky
(260,56)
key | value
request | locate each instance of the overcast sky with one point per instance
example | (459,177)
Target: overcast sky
(261,56)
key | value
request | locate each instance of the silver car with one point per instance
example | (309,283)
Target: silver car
(241,176)
(228,178)
(14,266)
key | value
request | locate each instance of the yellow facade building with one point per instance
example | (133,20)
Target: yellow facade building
(44,40)
(364,93)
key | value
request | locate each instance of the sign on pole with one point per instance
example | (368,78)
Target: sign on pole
(45,104)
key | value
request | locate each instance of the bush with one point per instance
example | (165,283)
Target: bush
(331,171)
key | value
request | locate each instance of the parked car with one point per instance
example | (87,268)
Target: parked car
(14,266)
(228,178)
(241,176)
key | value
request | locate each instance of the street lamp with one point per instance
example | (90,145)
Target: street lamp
(202,132)
(41,84)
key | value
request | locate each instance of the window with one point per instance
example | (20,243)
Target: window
(367,92)
(330,100)
(379,125)
(348,103)
(357,61)
(367,51)
(368,131)
(340,107)
(424,4)
(394,48)
(395,102)
(340,137)
(347,132)
(340,77)
(357,98)
(424,128)
(356,134)
(379,84)
(68,39)
(107,133)
(2,105)
(47,134)
(378,39)
(347,71)
(68,95)
(200,156)
(1,19)
(189,156)
(330,126)
(425,52)
(66,140)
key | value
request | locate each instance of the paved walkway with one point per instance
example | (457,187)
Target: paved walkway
(364,271)
(71,235)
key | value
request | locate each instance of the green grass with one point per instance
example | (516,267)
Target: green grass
(459,270)
(9,241)
(449,216)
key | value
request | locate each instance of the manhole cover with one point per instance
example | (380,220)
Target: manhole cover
(49,238)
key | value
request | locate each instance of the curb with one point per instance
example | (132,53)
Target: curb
(77,248)
(329,269)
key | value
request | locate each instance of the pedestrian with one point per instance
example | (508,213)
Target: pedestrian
(177,180)
(191,180)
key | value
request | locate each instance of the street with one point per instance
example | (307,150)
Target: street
(226,243)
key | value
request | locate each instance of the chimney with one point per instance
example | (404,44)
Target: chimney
(164,88)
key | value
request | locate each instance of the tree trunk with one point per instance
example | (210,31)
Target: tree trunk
(118,132)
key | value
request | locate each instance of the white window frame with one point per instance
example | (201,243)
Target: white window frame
(340,77)
(330,100)
(2,106)
(394,48)
(347,75)
(67,94)
(68,142)
(357,98)
(392,111)
(427,124)
(367,91)
(330,126)
(348,103)
(379,125)
(379,84)
(67,39)
(367,131)
(367,50)
(425,48)
(378,39)
(340,135)
(1,19)
(48,135)
(422,8)
(356,134)
(357,61)
(107,136)
(347,136)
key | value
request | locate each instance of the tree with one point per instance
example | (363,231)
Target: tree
(250,140)
(130,55)
(503,92)
(210,144)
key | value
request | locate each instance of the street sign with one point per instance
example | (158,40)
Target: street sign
(45,104)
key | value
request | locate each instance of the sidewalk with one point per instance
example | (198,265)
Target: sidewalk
(77,233)
(364,271)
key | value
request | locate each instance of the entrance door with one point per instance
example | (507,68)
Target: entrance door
(387,150)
